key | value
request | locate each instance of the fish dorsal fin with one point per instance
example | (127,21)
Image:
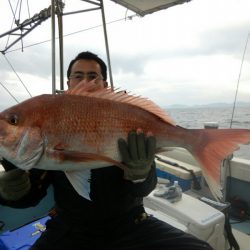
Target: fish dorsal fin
(93,90)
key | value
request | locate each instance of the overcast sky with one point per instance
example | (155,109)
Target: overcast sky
(189,54)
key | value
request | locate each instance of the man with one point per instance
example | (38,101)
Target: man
(111,214)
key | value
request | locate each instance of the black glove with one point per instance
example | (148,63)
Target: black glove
(14,184)
(138,154)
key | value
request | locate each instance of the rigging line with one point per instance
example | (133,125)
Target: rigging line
(28,8)
(9,93)
(238,82)
(11,8)
(14,20)
(72,33)
(19,18)
(17,75)
(17,21)
(20,9)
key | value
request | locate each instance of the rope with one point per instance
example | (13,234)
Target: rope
(196,184)
(238,82)
(28,8)
(9,93)
(20,9)
(22,47)
(17,75)
(14,20)
(70,34)
(12,9)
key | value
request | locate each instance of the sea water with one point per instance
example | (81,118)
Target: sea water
(196,117)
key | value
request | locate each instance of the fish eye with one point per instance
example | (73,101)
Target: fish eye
(13,120)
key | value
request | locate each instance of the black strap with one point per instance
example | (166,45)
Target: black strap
(231,239)
(196,184)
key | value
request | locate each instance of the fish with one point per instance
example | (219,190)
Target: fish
(78,130)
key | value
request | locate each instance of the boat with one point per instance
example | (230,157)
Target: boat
(181,186)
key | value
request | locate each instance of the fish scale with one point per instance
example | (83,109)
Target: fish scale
(79,130)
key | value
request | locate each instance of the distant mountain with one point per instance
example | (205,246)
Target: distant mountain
(209,105)
(178,106)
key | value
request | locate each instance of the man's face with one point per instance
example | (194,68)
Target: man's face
(84,71)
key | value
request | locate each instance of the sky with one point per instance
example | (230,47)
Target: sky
(190,54)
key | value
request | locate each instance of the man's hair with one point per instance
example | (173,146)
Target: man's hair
(89,56)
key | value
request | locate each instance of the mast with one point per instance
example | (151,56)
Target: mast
(106,44)
(53,47)
(59,12)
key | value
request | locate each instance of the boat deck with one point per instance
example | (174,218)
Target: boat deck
(243,239)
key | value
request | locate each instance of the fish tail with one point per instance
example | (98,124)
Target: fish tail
(210,147)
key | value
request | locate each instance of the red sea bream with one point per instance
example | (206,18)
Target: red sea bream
(79,130)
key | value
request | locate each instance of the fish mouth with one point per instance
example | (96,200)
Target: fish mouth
(3,132)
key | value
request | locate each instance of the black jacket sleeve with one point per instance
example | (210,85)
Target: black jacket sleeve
(142,189)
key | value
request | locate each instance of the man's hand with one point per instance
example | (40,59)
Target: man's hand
(137,154)
(14,184)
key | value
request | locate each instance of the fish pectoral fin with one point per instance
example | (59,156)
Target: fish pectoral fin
(60,146)
(76,156)
(80,180)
